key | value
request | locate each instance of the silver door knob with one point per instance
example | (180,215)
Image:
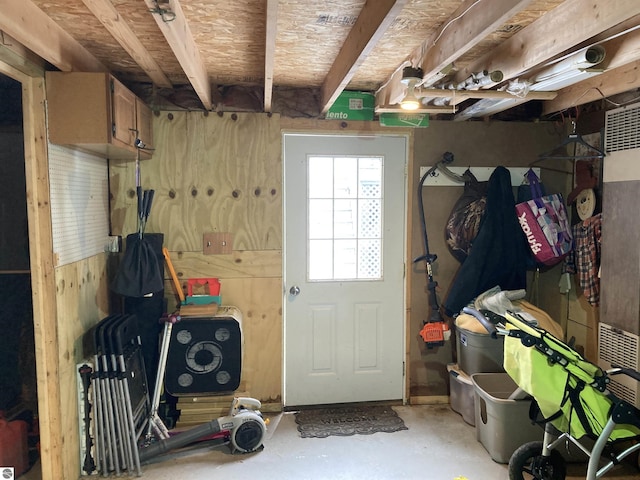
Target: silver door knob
(295,290)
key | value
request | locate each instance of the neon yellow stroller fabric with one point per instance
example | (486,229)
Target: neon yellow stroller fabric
(565,391)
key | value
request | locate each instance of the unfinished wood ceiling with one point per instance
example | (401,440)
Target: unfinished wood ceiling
(296,56)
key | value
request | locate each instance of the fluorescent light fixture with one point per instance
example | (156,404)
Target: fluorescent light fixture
(573,69)
(420,109)
(561,71)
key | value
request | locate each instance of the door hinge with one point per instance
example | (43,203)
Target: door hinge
(404,369)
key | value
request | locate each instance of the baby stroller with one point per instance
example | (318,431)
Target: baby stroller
(572,397)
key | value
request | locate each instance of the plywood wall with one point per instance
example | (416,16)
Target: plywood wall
(82,301)
(223,173)
(219,173)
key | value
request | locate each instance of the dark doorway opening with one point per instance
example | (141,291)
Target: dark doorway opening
(18,385)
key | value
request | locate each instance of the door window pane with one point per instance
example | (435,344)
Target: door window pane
(369,253)
(319,251)
(320,179)
(346,218)
(345,259)
(346,181)
(370,176)
(370,218)
(320,218)
(345,196)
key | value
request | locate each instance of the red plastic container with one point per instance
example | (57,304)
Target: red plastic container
(14,451)
(213,285)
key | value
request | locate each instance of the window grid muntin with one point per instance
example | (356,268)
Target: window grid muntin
(364,237)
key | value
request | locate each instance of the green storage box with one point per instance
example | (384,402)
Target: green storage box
(404,119)
(352,106)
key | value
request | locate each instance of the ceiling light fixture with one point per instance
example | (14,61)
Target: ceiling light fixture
(573,69)
(411,77)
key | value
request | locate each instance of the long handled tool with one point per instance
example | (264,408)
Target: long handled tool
(434,327)
(145,200)
(174,277)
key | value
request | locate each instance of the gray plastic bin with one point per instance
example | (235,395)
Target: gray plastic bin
(461,396)
(479,353)
(502,425)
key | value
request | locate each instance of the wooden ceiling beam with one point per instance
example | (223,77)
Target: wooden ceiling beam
(18,56)
(30,26)
(109,17)
(549,36)
(270,51)
(456,38)
(374,19)
(464,29)
(179,37)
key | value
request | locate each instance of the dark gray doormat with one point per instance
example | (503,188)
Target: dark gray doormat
(348,420)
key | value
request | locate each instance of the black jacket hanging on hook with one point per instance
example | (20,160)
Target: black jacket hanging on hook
(500,251)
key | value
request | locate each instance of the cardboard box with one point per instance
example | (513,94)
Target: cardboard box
(352,106)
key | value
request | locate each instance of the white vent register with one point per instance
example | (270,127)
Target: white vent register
(622,349)
(621,130)
(622,144)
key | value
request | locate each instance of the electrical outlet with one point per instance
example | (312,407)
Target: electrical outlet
(113,244)
(217,243)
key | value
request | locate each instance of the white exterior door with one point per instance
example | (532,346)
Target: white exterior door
(344,268)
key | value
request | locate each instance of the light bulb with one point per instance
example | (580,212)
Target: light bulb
(410,101)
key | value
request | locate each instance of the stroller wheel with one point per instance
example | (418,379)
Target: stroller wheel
(527,462)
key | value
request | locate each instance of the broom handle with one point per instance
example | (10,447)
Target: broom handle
(174,277)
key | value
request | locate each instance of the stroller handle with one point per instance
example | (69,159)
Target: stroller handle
(615,369)
(483,320)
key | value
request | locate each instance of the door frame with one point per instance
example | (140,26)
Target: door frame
(333,128)
(42,263)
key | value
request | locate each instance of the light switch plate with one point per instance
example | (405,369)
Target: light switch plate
(217,243)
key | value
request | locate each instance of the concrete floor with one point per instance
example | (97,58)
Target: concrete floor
(438,445)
